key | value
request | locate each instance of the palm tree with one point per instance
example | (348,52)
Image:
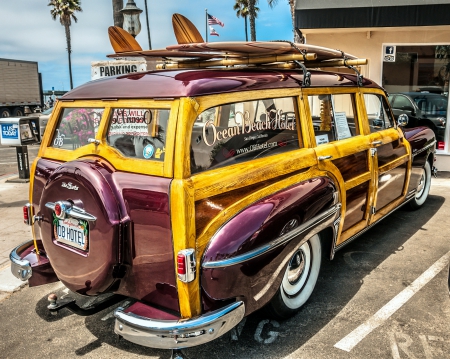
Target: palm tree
(241,8)
(252,14)
(118,17)
(65,10)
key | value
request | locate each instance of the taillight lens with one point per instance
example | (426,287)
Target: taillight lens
(186,265)
(181,264)
(441,145)
(27,214)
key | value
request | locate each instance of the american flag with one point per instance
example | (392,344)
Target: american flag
(212,20)
(213,31)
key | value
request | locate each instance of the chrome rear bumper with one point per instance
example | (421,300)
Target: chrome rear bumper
(178,334)
(20,268)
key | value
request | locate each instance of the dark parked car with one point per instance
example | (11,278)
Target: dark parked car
(423,109)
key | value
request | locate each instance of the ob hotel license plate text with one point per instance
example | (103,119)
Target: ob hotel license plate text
(72,232)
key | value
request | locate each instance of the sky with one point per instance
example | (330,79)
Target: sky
(29,32)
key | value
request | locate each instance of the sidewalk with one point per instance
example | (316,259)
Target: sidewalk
(13,196)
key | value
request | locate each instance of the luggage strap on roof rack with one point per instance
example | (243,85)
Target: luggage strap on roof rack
(306,73)
(359,77)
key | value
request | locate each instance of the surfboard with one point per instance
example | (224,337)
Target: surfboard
(185,31)
(191,50)
(122,41)
(258,48)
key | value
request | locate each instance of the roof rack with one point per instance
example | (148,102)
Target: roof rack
(267,54)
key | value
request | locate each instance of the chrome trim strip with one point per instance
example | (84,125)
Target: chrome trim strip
(21,268)
(425,148)
(176,334)
(75,212)
(275,243)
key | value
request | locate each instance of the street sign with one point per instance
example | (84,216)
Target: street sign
(389,53)
(118,67)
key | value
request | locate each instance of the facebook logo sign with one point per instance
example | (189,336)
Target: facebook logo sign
(389,53)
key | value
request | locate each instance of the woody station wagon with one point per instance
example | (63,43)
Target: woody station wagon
(206,194)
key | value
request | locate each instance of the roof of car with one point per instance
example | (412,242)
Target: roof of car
(417,94)
(181,83)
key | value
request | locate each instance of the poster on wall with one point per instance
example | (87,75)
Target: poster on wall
(389,53)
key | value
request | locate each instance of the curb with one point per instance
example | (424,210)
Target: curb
(8,176)
(9,283)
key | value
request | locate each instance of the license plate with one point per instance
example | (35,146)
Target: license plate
(71,231)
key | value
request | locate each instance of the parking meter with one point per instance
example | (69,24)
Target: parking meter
(19,132)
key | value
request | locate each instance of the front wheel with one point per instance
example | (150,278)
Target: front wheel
(299,280)
(423,189)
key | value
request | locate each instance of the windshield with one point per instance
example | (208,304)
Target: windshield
(432,104)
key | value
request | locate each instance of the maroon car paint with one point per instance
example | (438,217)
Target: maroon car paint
(119,200)
(259,224)
(176,83)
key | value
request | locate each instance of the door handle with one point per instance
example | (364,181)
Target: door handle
(321,158)
(374,143)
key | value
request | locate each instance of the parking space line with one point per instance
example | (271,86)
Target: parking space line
(352,339)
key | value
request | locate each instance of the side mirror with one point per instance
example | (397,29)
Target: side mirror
(403,120)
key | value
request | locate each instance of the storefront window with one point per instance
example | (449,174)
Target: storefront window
(417,80)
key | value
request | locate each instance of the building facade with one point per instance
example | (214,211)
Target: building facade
(407,43)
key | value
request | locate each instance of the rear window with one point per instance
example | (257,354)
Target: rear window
(139,132)
(76,126)
(242,131)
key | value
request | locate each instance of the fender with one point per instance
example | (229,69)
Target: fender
(423,147)
(250,250)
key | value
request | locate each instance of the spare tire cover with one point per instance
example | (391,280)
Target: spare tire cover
(83,183)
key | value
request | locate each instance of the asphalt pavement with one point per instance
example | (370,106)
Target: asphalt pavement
(350,314)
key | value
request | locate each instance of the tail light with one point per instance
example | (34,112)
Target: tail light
(186,265)
(441,145)
(27,218)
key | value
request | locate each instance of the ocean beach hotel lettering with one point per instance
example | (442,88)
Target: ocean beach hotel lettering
(274,120)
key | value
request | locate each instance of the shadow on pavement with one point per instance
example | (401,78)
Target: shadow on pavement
(338,283)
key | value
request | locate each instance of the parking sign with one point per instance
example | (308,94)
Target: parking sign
(389,53)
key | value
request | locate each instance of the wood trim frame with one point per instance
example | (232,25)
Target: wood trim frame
(119,161)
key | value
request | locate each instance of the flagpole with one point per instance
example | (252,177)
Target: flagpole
(206,24)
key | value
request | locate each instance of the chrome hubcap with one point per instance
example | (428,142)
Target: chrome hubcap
(421,186)
(296,267)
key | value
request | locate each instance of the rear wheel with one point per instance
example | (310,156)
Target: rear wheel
(18,112)
(5,112)
(299,280)
(423,189)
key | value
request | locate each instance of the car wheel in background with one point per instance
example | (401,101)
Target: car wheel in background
(423,189)
(18,112)
(4,112)
(299,280)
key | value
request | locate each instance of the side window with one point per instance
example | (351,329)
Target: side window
(333,117)
(402,103)
(243,131)
(76,126)
(378,112)
(139,132)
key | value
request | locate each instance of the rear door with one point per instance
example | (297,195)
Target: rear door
(344,152)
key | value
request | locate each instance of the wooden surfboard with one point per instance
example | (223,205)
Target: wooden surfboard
(191,50)
(185,31)
(122,41)
(258,48)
